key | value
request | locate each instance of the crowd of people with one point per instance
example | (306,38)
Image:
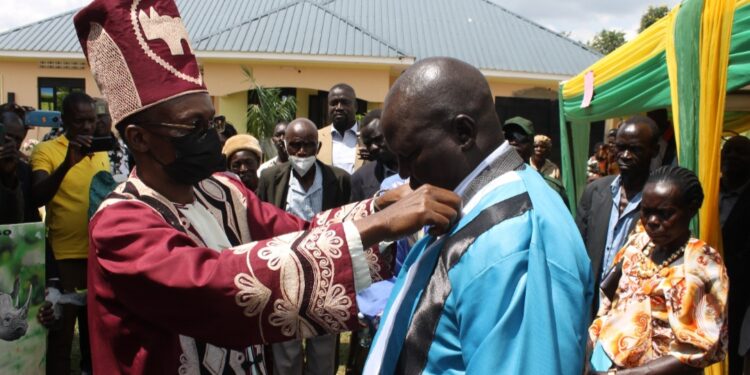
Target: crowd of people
(439,235)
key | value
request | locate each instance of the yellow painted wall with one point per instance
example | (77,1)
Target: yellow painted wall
(21,77)
(234,107)
(228,85)
(303,101)
(227,78)
(374,105)
(504,88)
(371,84)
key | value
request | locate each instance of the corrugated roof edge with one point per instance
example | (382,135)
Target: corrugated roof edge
(312,3)
(39,22)
(522,18)
(244,22)
(325,9)
(360,28)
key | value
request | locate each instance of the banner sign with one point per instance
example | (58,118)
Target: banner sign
(23,340)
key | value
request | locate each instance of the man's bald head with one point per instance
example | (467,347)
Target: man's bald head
(301,138)
(302,126)
(443,88)
(439,118)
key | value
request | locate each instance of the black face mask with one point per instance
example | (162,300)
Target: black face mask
(197,156)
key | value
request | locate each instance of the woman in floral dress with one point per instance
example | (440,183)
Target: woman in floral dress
(663,304)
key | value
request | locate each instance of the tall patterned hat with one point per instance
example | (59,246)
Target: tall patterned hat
(139,53)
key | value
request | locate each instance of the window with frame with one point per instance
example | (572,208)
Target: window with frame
(52,91)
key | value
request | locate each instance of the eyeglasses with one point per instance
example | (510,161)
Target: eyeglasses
(301,145)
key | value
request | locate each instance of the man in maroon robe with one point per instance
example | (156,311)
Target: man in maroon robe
(188,268)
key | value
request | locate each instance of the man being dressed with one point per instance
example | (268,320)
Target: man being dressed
(506,291)
(181,256)
(304,187)
(338,141)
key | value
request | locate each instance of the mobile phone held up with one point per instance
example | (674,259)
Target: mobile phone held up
(48,119)
(99,144)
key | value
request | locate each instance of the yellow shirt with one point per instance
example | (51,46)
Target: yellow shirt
(67,212)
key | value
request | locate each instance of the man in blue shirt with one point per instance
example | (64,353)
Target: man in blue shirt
(610,206)
(506,290)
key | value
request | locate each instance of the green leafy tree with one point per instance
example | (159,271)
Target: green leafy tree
(271,109)
(607,41)
(652,15)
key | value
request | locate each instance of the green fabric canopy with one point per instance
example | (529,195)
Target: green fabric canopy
(645,87)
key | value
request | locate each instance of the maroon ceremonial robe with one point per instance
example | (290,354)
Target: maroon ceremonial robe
(161,302)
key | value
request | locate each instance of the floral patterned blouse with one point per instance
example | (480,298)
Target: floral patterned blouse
(679,311)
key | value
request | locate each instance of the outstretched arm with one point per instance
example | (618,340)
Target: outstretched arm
(290,286)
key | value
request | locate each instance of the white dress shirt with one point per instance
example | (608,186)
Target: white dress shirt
(344,148)
(205,224)
(305,204)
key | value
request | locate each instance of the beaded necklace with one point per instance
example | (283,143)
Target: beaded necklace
(646,273)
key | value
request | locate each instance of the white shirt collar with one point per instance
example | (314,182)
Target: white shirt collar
(209,230)
(317,184)
(481,167)
(354,129)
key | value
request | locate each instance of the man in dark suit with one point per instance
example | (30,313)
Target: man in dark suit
(304,186)
(610,206)
(273,186)
(734,213)
(366,180)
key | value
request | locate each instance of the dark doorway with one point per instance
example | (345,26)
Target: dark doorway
(252,95)
(52,91)
(545,114)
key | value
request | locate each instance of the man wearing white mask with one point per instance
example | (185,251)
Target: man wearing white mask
(304,186)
